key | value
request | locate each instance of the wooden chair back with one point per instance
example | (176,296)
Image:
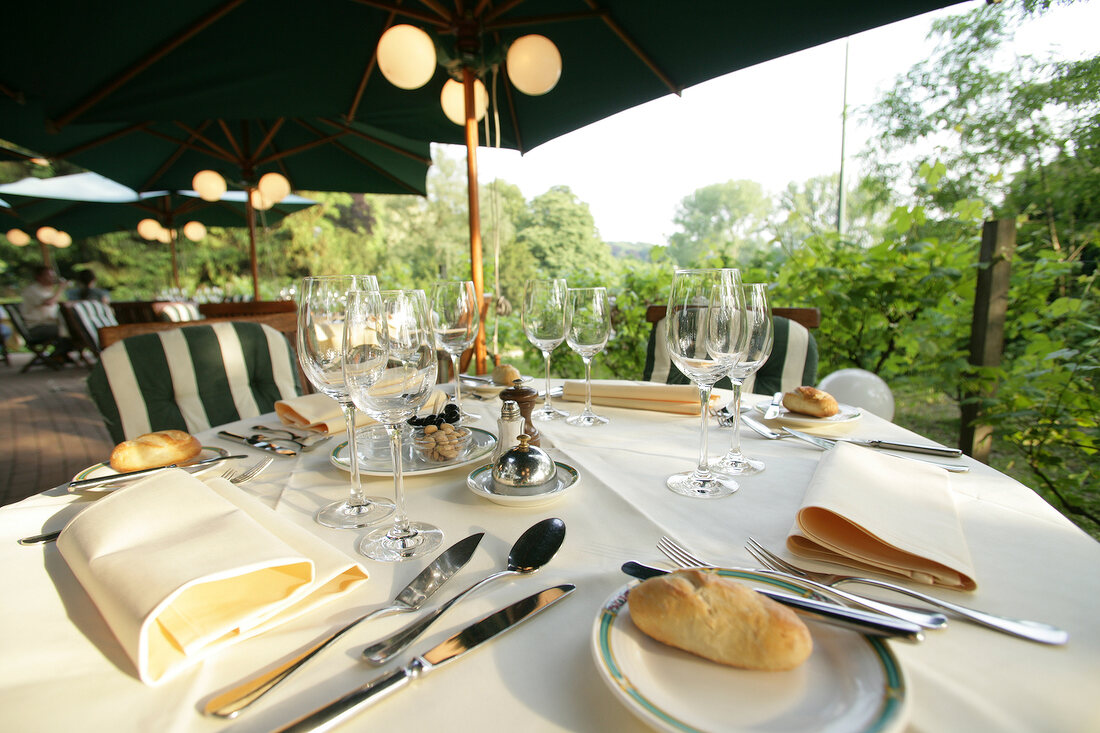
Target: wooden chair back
(808,317)
(247,308)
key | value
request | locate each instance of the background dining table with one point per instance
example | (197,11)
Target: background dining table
(64,670)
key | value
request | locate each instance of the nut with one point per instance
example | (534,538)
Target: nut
(442,443)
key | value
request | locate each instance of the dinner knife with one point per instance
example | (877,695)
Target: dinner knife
(258,442)
(932,450)
(128,476)
(829,443)
(449,650)
(774,407)
(854,619)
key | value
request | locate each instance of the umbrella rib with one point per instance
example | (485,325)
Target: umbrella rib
(237,150)
(365,76)
(214,150)
(100,141)
(162,50)
(441,11)
(269,136)
(633,46)
(415,15)
(374,140)
(171,159)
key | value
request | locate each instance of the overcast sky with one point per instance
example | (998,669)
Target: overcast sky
(773,123)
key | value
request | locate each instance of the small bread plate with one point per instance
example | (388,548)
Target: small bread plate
(847,414)
(850,683)
(487,389)
(101,470)
(481,444)
(480,481)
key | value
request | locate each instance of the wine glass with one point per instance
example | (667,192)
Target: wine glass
(544,324)
(321,308)
(455,320)
(588,319)
(758,348)
(688,319)
(390,368)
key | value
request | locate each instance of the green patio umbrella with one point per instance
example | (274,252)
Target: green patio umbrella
(273,59)
(87,204)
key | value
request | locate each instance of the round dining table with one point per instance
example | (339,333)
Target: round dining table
(575,667)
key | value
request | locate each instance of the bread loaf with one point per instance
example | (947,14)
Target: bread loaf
(505,374)
(162,448)
(721,620)
(811,401)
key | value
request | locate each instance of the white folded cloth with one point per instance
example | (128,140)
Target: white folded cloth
(682,399)
(320,412)
(181,569)
(879,512)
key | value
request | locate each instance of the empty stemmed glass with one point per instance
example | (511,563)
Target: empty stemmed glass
(455,320)
(688,320)
(588,326)
(756,352)
(321,309)
(390,367)
(544,324)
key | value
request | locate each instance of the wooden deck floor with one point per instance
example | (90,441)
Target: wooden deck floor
(49,428)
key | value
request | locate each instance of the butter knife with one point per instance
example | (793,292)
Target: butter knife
(774,407)
(932,450)
(829,443)
(127,477)
(453,648)
(257,441)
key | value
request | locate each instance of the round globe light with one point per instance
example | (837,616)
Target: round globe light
(406,56)
(148,228)
(18,237)
(860,388)
(194,230)
(164,236)
(534,64)
(61,240)
(259,201)
(453,101)
(274,187)
(45,235)
(209,185)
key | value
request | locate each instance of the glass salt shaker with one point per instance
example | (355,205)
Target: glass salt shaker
(509,428)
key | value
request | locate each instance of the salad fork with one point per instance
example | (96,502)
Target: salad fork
(679,555)
(240,477)
(1031,630)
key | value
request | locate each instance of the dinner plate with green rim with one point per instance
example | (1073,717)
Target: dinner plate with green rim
(851,683)
(481,444)
(100,470)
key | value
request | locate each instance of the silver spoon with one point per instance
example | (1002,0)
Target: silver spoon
(534,548)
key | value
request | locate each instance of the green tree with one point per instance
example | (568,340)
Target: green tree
(723,219)
(558,230)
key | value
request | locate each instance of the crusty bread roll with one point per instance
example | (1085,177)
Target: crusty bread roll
(720,619)
(811,401)
(162,448)
(505,374)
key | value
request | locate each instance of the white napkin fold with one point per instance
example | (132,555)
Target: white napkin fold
(682,399)
(181,569)
(879,512)
(318,412)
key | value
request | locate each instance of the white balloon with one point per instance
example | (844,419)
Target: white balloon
(860,388)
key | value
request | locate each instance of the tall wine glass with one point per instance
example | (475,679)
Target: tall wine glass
(321,308)
(544,324)
(688,322)
(390,367)
(756,352)
(455,320)
(588,326)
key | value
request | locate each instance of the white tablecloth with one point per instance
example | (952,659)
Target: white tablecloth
(64,671)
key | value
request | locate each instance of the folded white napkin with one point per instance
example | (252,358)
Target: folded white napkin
(181,569)
(682,399)
(875,511)
(318,412)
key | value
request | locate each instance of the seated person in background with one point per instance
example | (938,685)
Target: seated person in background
(41,313)
(86,289)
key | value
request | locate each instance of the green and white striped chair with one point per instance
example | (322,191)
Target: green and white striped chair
(793,361)
(192,378)
(177,312)
(85,318)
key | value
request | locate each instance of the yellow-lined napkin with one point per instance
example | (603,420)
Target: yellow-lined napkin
(181,569)
(318,412)
(875,511)
(682,399)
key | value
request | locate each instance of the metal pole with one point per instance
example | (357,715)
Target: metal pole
(842,202)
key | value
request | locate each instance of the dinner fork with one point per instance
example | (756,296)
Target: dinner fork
(1031,630)
(241,477)
(679,555)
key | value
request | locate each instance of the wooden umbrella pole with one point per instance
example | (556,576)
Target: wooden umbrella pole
(478,277)
(175,266)
(250,212)
(45,255)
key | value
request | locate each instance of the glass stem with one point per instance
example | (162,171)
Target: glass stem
(458,382)
(356,499)
(735,448)
(546,404)
(587,384)
(704,404)
(400,518)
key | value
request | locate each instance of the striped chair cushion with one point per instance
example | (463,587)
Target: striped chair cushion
(179,312)
(793,361)
(91,315)
(192,378)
